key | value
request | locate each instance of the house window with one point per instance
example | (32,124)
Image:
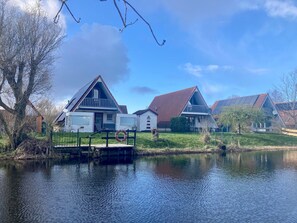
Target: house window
(128,121)
(109,117)
(148,122)
(96,93)
(80,120)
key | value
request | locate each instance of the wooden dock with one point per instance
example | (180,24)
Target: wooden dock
(91,150)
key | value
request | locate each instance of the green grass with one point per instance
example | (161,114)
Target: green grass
(169,140)
(257,139)
(194,140)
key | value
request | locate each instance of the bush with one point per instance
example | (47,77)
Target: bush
(179,124)
(206,138)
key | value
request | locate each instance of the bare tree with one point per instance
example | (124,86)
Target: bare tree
(48,110)
(28,41)
(276,96)
(287,89)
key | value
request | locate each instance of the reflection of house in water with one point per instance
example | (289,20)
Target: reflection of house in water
(290,158)
(251,163)
(184,167)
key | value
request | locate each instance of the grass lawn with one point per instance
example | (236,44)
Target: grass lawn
(194,140)
(168,140)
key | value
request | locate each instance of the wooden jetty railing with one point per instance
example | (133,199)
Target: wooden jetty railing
(108,136)
(105,140)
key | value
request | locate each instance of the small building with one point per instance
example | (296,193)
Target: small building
(288,113)
(272,119)
(126,122)
(188,103)
(146,119)
(91,109)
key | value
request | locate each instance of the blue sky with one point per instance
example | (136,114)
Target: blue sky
(225,48)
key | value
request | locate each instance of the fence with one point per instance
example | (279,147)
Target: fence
(78,139)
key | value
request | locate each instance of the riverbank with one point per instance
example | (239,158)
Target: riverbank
(155,152)
(172,151)
(190,143)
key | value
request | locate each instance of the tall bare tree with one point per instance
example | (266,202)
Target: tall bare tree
(28,41)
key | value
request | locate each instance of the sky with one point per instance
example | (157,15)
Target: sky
(226,48)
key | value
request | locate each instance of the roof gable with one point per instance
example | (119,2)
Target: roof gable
(172,104)
(75,101)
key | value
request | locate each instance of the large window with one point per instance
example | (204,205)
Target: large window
(80,120)
(128,121)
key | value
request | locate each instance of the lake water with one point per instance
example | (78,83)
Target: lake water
(243,187)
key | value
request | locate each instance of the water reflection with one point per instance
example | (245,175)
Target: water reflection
(249,187)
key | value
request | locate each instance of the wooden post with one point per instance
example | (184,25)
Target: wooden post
(128,137)
(134,138)
(77,138)
(107,138)
(89,149)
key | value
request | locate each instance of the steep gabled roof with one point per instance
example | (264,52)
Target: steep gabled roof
(140,112)
(171,104)
(255,101)
(75,101)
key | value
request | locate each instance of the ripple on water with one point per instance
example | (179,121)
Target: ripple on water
(176,189)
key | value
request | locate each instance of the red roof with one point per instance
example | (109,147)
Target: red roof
(260,100)
(171,105)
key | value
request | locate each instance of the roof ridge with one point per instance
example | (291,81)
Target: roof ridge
(177,91)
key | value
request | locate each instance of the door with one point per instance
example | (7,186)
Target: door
(98,122)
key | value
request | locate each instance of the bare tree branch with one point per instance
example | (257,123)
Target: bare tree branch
(148,24)
(57,17)
(123,17)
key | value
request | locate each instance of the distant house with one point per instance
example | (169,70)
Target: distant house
(91,109)
(261,101)
(188,103)
(146,119)
(288,113)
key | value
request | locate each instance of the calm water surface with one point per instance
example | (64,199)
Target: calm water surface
(247,187)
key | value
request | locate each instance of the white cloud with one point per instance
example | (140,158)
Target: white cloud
(212,67)
(198,70)
(276,8)
(95,50)
(258,71)
(192,69)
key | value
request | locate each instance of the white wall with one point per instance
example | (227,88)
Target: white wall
(142,121)
(84,121)
(126,121)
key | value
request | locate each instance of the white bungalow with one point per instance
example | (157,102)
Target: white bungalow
(146,119)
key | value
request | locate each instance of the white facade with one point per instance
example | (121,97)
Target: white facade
(84,121)
(126,121)
(147,121)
